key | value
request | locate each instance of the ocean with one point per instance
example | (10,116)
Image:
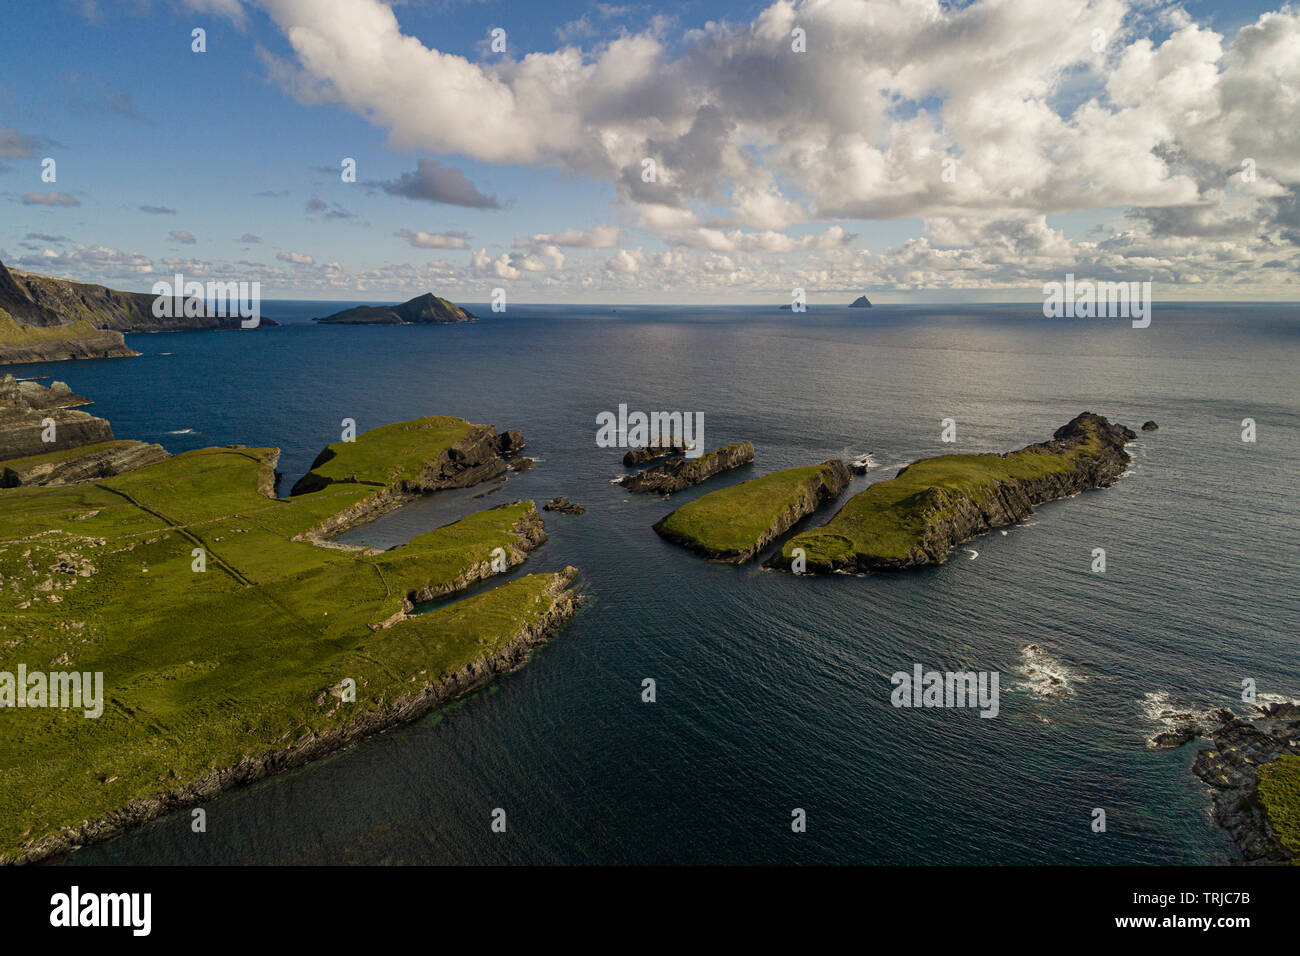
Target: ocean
(773,691)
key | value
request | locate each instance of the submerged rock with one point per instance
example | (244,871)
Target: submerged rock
(1149,426)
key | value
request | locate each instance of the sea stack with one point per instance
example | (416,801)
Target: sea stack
(861,302)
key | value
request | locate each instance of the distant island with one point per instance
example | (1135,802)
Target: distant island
(427,309)
(861,302)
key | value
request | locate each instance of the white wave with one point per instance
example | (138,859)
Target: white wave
(1044,676)
(183,431)
(972,552)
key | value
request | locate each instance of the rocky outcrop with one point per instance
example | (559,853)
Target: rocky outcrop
(99,461)
(861,302)
(1149,426)
(427,309)
(564,506)
(27,411)
(637,457)
(426,694)
(1241,748)
(682,473)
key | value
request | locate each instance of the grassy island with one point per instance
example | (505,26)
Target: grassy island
(218,676)
(932,505)
(733,524)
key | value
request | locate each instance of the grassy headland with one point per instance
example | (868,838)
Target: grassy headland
(216,677)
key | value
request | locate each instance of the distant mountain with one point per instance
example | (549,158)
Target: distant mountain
(861,302)
(427,309)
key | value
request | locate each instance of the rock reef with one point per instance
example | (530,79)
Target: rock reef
(682,473)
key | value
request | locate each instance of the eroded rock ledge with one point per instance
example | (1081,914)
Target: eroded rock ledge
(681,473)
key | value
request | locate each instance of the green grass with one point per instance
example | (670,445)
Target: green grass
(11,333)
(732,520)
(887,520)
(1279,792)
(392,453)
(202,669)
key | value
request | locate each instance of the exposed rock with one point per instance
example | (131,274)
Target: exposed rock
(640,456)
(861,302)
(425,309)
(23,427)
(564,506)
(1149,426)
(1231,768)
(521,464)
(1280,711)
(682,473)
(103,460)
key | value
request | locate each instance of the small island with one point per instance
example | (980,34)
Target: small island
(919,516)
(734,524)
(681,473)
(861,302)
(427,309)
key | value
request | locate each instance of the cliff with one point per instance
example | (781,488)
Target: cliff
(682,473)
(82,447)
(427,309)
(931,506)
(46,319)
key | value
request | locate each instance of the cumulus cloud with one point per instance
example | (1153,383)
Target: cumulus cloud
(597,237)
(296,258)
(434,240)
(434,182)
(183,237)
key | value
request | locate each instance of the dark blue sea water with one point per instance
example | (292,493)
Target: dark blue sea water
(773,690)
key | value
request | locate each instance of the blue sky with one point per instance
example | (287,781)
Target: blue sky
(167,157)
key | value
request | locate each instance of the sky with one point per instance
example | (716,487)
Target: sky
(704,152)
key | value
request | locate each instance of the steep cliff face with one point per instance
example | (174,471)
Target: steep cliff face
(682,473)
(82,447)
(959,497)
(45,319)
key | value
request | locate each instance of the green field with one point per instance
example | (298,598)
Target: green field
(203,669)
(391,453)
(887,521)
(1279,792)
(732,521)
